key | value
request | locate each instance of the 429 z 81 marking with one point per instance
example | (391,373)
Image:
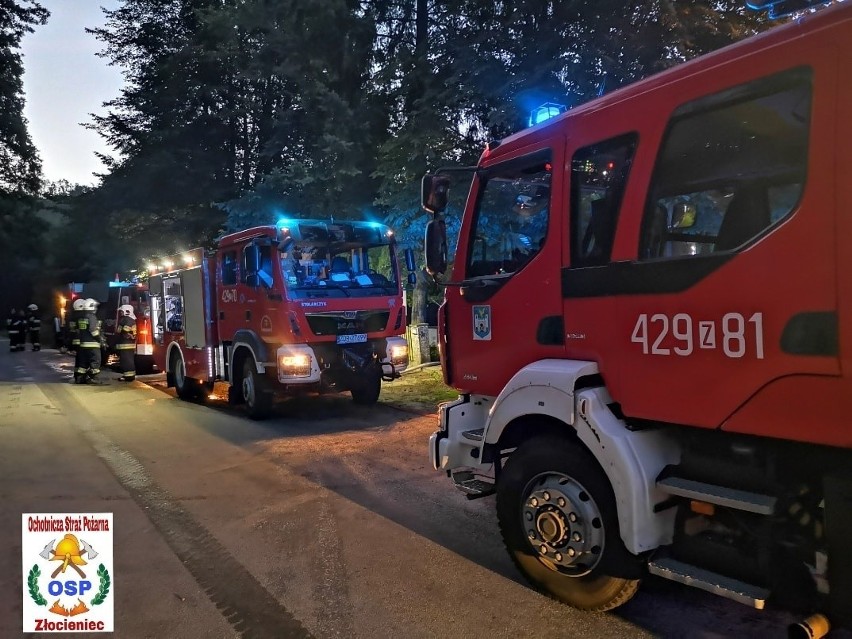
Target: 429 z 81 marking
(738,336)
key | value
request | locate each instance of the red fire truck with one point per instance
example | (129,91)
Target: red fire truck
(646,327)
(306,305)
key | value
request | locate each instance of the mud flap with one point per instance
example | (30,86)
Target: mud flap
(838,529)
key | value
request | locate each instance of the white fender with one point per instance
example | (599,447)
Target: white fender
(545,387)
(631,460)
(171,347)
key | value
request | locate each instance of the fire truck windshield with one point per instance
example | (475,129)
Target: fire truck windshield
(339,270)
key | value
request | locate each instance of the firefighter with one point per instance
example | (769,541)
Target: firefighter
(34,327)
(126,343)
(9,319)
(17,332)
(76,313)
(89,351)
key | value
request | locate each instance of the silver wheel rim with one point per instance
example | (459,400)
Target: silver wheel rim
(248,390)
(563,524)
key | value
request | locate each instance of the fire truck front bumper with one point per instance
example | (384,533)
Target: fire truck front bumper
(457,444)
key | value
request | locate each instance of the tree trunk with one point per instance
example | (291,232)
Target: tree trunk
(419,297)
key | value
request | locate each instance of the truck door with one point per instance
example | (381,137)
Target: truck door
(733,285)
(193,303)
(507,312)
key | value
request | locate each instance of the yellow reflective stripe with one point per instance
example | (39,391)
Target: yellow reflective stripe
(124,347)
(90,344)
(80,370)
(75,342)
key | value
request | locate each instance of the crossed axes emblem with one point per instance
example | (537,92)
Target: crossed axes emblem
(69,551)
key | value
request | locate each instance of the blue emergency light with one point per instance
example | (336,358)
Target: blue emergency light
(545,112)
(782,8)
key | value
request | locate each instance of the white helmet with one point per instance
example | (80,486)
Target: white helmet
(79,304)
(127,311)
(32,307)
(91,305)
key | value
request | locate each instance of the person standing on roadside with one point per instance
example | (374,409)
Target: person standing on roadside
(88,328)
(10,319)
(74,336)
(34,327)
(18,332)
(126,343)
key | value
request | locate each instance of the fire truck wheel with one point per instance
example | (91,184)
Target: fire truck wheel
(187,388)
(558,519)
(256,394)
(367,387)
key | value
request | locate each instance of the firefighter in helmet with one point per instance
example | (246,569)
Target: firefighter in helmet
(17,332)
(34,326)
(77,312)
(89,351)
(10,318)
(126,343)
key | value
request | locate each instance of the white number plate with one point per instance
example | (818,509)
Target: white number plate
(358,338)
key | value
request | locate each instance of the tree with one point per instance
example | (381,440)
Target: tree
(20,167)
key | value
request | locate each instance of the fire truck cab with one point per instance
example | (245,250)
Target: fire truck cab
(306,305)
(646,328)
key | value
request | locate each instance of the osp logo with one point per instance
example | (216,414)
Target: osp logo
(67,572)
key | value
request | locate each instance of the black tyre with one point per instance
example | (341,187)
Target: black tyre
(188,389)
(558,519)
(367,387)
(255,391)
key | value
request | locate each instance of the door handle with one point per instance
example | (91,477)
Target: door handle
(248,315)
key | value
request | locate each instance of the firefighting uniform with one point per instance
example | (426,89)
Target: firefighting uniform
(34,330)
(17,333)
(73,334)
(9,319)
(89,351)
(126,347)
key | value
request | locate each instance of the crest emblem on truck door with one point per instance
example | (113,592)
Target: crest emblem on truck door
(481,322)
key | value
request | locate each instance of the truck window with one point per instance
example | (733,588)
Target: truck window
(229,268)
(598,177)
(348,269)
(731,166)
(512,216)
(174,305)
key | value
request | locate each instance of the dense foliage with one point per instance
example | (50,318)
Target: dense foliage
(237,111)
(20,167)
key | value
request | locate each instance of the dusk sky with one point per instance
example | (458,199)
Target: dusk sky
(64,82)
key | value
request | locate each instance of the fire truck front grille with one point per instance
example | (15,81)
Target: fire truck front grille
(347,322)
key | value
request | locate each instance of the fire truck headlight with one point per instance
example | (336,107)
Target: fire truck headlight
(399,354)
(298,365)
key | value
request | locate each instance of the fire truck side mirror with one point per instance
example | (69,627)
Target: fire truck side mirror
(436,246)
(155,284)
(434,191)
(409,259)
(251,262)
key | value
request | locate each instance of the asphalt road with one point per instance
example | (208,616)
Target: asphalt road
(325,521)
